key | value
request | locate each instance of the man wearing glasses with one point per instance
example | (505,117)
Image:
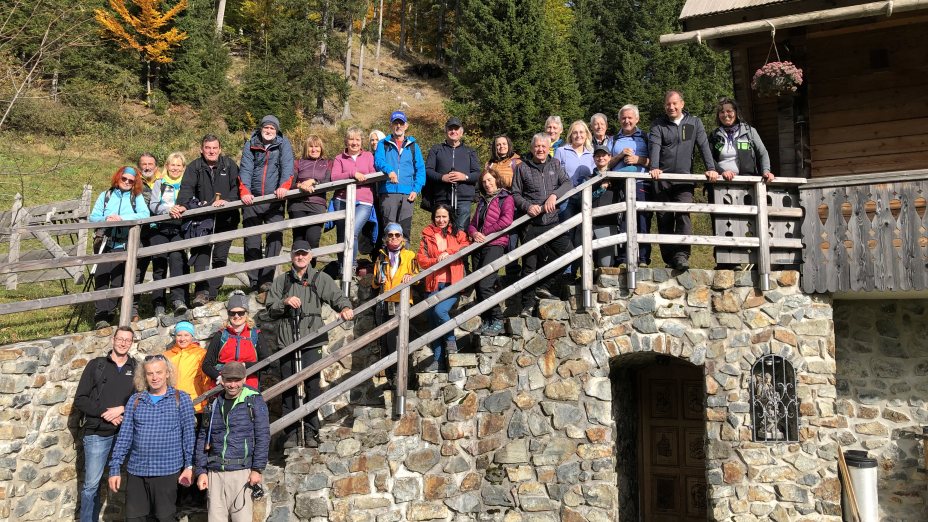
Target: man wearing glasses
(296,299)
(157,437)
(105,386)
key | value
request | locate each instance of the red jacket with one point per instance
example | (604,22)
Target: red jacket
(428,256)
(227,346)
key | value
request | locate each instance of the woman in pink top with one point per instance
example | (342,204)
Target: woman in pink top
(354,163)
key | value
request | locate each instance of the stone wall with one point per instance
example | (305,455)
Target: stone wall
(882,364)
(525,429)
(524,426)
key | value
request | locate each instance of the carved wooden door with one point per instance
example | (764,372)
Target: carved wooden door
(672,443)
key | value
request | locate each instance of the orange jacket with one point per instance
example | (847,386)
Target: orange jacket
(188,366)
(428,256)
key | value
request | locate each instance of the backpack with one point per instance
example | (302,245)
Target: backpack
(253,336)
(97,385)
(101,236)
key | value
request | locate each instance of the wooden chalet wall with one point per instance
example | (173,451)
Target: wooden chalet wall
(867,98)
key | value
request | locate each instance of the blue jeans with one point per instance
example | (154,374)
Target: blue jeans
(361,214)
(439,315)
(96,453)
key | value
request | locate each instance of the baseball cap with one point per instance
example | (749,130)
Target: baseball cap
(398,115)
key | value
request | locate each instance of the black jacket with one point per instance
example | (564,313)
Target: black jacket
(671,146)
(202,182)
(101,387)
(532,183)
(444,158)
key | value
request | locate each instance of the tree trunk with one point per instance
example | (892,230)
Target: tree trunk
(220,15)
(440,41)
(346,111)
(379,37)
(403,28)
(323,58)
(457,27)
(414,37)
(349,47)
(148,82)
(363,39)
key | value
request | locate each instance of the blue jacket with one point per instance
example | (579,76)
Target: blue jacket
(156,436)
(238,439)
(120,204)
(409,166)
(638,142)
(264,169)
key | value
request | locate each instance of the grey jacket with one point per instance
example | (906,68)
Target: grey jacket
(313,291)
(750,150)
(532,183)
(671,146)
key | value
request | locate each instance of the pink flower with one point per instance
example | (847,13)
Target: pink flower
(776,78)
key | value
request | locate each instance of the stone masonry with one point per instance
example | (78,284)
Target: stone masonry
(523,427)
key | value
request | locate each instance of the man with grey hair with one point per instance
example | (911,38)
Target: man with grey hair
(630,154)
(599,126)
(672,140)
(553,128)
(536,185)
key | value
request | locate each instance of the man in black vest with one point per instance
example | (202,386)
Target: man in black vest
(104,388)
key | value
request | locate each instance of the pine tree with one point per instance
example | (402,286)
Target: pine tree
(198,72)
(513,69)
(145,31)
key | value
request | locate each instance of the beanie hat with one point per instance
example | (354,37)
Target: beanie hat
(184,326)
(237,300)
(270,119)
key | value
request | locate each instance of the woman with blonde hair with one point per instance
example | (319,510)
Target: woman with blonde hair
(238,340)
(311,169)
(354,163)
(163,198)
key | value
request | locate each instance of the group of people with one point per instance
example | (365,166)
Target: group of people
(469,200)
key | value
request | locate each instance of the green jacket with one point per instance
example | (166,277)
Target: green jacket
(313,290)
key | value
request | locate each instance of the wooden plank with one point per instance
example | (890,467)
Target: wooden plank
(869,164)
(18,216)
(55,250)
(48,264)
(402,352)
(763,237)
(128,280)
(855,150)
(875,131)
(838,114)
(866,179)
(586,235)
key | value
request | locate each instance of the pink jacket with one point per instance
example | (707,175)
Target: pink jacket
(492,215)
(343,167)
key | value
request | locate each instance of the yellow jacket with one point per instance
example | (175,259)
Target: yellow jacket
(188,365)
(382,278)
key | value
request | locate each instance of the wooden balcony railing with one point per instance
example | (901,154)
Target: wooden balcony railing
(865,233)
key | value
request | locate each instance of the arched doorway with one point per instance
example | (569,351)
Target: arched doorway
(660,404)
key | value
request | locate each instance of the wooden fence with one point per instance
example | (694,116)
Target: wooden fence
(55,244)
(866,233)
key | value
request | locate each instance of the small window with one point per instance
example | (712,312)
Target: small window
(774,408)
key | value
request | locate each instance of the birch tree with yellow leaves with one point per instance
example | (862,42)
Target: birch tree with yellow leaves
(139,26)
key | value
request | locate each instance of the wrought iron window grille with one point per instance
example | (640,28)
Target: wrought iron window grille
(774,406)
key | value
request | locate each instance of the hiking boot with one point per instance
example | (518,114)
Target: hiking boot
(433,367)
(527,311)
(180,308)
(101,324)
(201,299)
(159,310)
(681,263)
(544,293)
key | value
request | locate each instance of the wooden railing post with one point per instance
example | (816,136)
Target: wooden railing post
(128,279)
(347,262)
(402,353)
(763,235)
(17,220)
(586,229)
(631,233)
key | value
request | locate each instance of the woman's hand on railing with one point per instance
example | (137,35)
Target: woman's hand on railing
(359,177)
(479,237)
(177,210)
(308,186)
(114,217)
(768,177)
(728,175)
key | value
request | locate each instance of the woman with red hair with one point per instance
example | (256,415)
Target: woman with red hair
(122,201)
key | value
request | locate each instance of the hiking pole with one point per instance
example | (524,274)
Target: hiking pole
(298,360)
(87,284)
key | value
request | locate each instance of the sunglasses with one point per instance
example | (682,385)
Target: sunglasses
(394,235)
(127,180)
(237,313)
(159,357)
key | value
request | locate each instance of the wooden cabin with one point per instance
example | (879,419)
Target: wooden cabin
(857,127)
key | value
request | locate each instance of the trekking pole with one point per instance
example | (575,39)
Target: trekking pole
(298,360)
(87,284)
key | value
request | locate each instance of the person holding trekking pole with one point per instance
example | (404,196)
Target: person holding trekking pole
(298,296)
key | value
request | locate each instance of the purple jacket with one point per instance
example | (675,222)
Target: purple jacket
(492,215)
(317,169)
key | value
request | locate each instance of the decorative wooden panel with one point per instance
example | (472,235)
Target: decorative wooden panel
(744,226)
(866,237)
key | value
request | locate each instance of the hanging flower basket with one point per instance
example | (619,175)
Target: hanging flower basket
(777,79)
